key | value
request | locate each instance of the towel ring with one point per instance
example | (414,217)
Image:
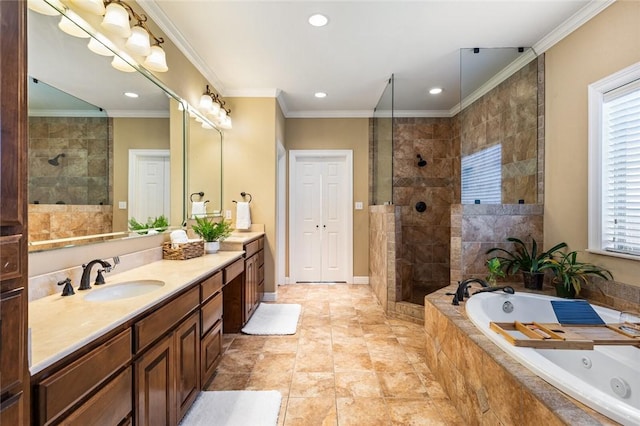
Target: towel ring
(201,194)
(244,194)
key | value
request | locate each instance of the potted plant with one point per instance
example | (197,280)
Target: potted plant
(212,232)
(495,271)
(531,262)
(159,224)
(570,273)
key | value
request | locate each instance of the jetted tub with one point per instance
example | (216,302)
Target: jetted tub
(606,378)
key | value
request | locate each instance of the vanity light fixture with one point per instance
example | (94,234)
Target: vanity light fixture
(318,20)
(139,42)
(435,90)
(320,95)
(214,107)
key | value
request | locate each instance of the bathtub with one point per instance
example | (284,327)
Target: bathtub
(606,378)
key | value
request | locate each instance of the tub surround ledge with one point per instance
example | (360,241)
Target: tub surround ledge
(487,385)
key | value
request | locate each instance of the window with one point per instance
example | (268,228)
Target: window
(614,163)
(482,176)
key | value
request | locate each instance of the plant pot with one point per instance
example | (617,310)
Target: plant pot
(564,292)
(533,280)
(211,247)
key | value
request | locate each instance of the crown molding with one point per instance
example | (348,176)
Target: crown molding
(331,114)
(158,16)
(571,24)
(283,105)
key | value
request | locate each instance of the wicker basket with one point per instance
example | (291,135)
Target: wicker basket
(183,251)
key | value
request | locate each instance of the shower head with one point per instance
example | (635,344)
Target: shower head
(54,161)
(421,162)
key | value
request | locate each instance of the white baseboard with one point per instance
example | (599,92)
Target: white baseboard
(361,280)
(270,297)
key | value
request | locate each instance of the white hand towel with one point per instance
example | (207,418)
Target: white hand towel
(198,209)
(243,216)
(178,236)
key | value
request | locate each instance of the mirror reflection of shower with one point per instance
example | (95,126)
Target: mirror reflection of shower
(54,161)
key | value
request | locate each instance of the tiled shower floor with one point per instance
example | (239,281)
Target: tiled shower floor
(348,364)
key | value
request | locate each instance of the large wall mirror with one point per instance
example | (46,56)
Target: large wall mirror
(498,125)
(105,146)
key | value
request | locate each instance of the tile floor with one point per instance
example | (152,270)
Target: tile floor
(347,364)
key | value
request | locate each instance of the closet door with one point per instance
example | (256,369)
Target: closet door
(320,207)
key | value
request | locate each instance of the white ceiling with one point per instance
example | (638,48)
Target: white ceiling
(264,48)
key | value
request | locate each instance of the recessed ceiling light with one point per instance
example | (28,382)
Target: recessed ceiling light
(435,90)
(131,95)
(318,20)
(320,95)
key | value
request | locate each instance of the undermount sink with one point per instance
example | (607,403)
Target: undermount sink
(123,290)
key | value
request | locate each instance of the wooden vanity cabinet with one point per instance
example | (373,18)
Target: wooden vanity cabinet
(211,326)
(167,376)
(14,374)
(254,276)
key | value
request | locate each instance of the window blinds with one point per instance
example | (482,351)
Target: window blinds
(621,166)
(482,176)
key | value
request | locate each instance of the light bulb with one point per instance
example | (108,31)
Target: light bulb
(156,61)
(73,27)
(206,102)
(122,65)
(99,45)
(92,6)
(138,42)
(45,8)
(116,20)
(215,108)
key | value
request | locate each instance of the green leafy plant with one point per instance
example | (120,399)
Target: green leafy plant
(159,223)
(494,266)
(211,230)
(571,273)
(524,259)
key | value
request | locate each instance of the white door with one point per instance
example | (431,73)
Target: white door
(321,216)
(149,183)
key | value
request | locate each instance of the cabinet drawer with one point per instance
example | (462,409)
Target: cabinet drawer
(109,406)
(11,248)
(210,286)
(156,324)
(211,313)
(261,258)
(210,353)
(12,344)
(252,248)
(67,386)
(233,270)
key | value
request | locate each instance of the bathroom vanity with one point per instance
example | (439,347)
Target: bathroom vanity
(125,360)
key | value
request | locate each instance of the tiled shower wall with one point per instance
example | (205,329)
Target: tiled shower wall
(424,250)
(82,177)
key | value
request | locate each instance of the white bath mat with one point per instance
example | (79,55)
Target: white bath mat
(234,408)
(274,318)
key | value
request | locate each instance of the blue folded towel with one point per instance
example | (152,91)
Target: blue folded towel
(576,312)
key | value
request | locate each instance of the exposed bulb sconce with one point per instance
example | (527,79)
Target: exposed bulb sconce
(421,161)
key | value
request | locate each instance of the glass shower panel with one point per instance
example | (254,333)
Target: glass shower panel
(383,148)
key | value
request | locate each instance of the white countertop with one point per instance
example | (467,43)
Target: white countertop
(60,325)
(243,237)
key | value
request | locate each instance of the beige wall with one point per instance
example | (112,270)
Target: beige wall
(341,133)
(249,165)
(604,45)
(132,133)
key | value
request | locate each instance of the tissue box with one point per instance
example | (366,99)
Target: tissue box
(182,251)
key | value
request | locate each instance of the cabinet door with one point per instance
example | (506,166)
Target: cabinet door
(155,385)
(211,352)
(187,338)
(249,282)
(12,320)
(12,411)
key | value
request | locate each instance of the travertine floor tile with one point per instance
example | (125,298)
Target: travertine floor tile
(348,364)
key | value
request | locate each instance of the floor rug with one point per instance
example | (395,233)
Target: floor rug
(234,408)
(274,318)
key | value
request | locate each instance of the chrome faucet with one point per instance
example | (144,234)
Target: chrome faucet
(86,273)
